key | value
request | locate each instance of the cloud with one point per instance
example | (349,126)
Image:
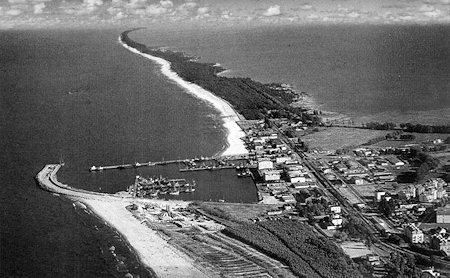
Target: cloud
(203,10)
(18,1)
(166,4)
(272,11)
(39,8)
(14,12)
(93,3)
(163,7)
(306,7)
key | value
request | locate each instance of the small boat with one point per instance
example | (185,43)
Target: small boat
(137,164)
(93,168)
(153,193)
(175,192)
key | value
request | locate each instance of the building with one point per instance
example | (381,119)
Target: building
(395,161)
(443,215)
(272,175)
(265,164)
(335,209)
(379,195)
(414,234)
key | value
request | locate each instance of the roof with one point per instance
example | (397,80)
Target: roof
(443,211)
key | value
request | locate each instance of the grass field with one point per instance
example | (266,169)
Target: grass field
(333,138)
(420,137)
(242,212)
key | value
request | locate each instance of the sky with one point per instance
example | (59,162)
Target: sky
(79,13)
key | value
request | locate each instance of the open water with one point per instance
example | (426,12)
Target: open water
(367,72)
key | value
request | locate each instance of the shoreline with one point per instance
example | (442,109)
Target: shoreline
(235,145)
(151,249)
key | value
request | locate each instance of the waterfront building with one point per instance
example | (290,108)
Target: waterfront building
(265,164)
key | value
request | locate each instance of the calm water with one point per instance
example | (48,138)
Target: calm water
(81,96)
(372,72)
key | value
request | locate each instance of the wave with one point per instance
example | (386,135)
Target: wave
(235,145)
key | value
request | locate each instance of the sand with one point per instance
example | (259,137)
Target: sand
(235,145)
(153,251)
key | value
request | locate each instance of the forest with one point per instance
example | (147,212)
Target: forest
(249,98)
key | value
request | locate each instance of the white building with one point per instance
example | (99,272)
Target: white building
(272,175)
(443,215)
(414,234)
(265,164)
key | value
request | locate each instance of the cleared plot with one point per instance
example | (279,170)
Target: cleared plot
(355,249)
(227,257)
(334,138)
(349,195)
(241,212)
(367,191)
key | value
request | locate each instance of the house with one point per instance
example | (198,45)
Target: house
(297,179)
(443,215)
(379,195)
(373,259)
(395,161)
(271,175)
(357,181)
(265,164)
(414,234)
(335,209)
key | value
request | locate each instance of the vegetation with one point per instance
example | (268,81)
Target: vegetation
(380,126)
(268,243)
(250,98)
(356,228)
(408,127)
(296,244)
(323,256)
(402,266)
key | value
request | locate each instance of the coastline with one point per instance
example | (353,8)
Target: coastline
(151,249)
(235,145)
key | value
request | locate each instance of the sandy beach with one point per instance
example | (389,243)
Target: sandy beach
(153,251)
(229,116)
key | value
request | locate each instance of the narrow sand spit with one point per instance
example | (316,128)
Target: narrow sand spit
(229,115)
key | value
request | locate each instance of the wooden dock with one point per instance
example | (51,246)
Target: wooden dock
(166,162)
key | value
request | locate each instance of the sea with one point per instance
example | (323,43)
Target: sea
(79,97)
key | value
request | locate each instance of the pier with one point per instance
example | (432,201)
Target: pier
(175,161)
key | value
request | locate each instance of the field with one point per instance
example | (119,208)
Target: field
(355,249)
(367,191)
(420,137)
(240,212)
(349,195)
(334,138)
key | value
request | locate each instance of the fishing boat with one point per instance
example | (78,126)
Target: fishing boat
(190,188)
